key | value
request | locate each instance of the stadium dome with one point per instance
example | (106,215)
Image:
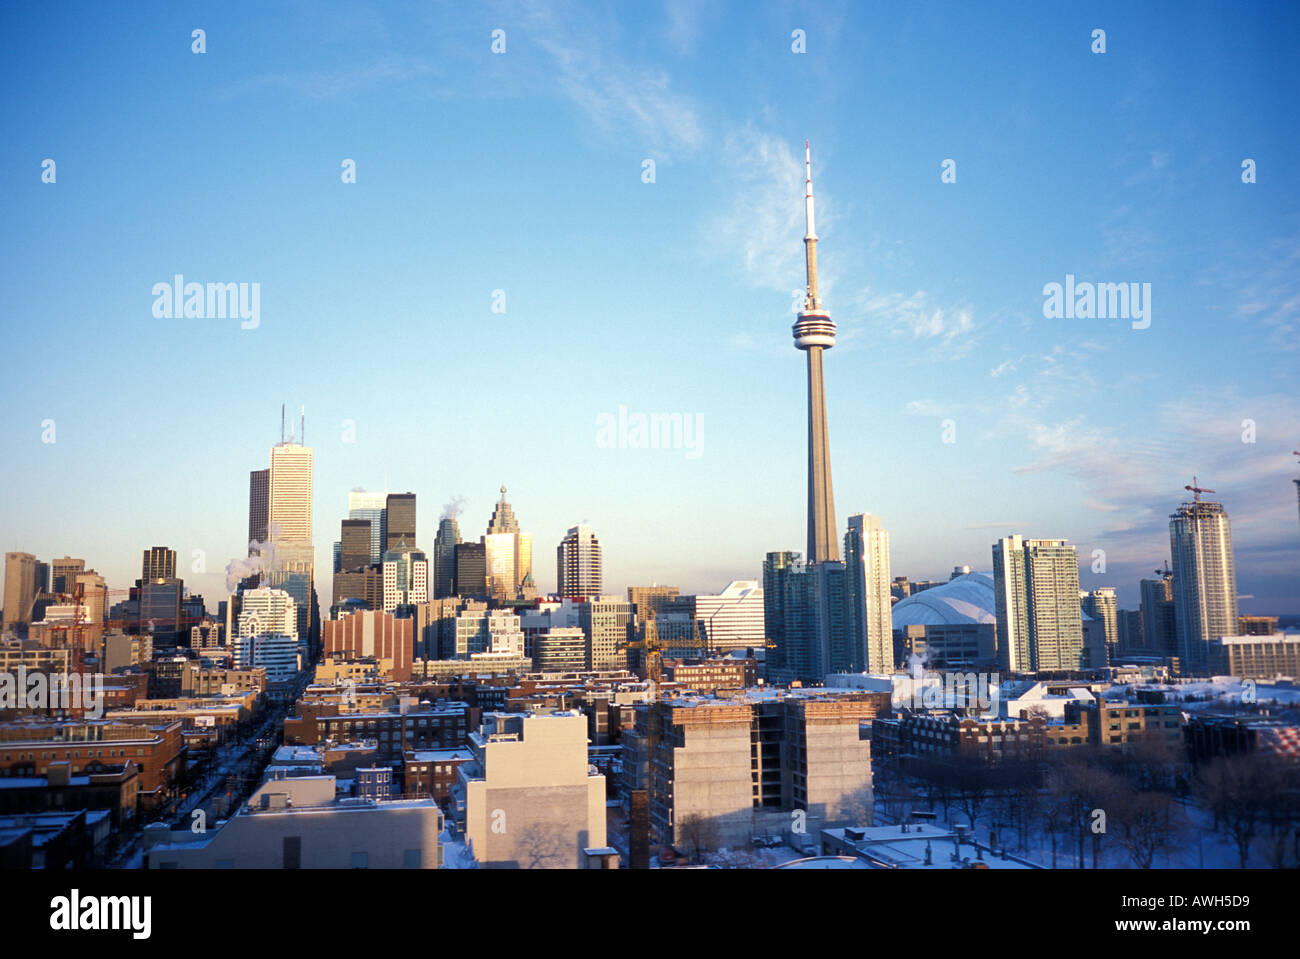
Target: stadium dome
(966,599)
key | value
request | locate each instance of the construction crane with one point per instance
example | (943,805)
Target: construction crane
(1196,490)
(1166,571)
(654,647)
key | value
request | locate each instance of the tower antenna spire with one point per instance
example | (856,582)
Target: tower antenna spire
(302,426)
(281,424)
(811,301)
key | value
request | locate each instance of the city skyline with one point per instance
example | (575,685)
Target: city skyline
(1079,429)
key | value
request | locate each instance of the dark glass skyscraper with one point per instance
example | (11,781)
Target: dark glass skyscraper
(444,557)
(259,506)
(401,520)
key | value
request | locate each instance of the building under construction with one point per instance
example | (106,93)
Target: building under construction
(719,771)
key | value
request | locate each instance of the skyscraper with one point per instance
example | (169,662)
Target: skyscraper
(1159,630)
(866,556)
(259,506)
(444,557)
(508,552)
(774,565)
(814,634)
(20,587)
(400,509)
(406,576)
(471,571)
(354,544)
(374,508)
(1204,579)
(577,563)
(1036,592)
(158,563)
(291,558)
(814,332)
(63,574)
(1101,605)
(289,516)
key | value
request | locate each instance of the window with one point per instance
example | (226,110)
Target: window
(292,852)
(361,860)
(410,859)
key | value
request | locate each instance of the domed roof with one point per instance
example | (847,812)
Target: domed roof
(966,599)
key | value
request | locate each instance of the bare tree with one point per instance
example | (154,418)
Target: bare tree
(697,836)
(1233,788)
(544,846)
(1145,824)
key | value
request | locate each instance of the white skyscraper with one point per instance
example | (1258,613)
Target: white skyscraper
(577,563)
(268,633)
(866,555)
(406,577)
(733,619)
(290,493)
(1204,581)
(1036,591)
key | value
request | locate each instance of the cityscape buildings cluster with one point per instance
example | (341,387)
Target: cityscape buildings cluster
(443,712)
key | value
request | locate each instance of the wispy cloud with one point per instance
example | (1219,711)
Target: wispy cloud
(620,95)
(762,213)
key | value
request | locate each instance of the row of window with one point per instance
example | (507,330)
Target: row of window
(72,754)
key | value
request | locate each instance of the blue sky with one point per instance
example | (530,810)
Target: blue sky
(522,172)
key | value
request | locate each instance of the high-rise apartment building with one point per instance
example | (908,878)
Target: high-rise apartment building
(1036,591)
(814,635)
(774,566)
(20,588)
(1159,630)
(158,563)
(1204,580)
(577,563)
(1101,605)
(400,508)
(866,557)
(259,507)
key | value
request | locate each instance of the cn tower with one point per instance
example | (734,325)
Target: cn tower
(814,332)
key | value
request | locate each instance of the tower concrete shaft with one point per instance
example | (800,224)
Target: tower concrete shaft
(822,542)
(814,332)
